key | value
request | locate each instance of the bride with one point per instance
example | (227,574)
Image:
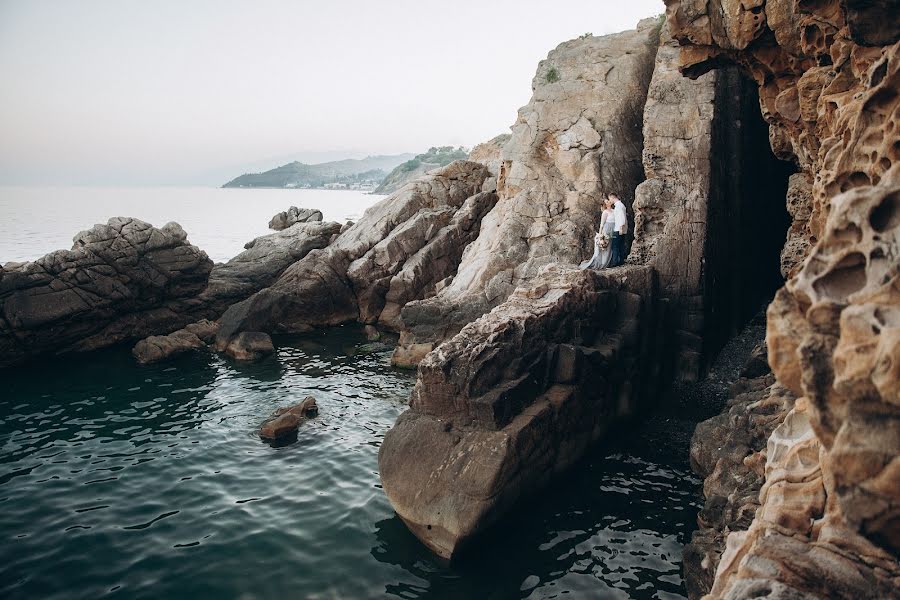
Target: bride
(602,241)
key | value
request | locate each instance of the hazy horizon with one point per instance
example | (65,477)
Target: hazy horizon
(198,92)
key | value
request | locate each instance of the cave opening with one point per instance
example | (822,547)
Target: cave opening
(747,216)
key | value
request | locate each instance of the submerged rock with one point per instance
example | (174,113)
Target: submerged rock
(121,281)
(294,215)
(250,346)
(285,421)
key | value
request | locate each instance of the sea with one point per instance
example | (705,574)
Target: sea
(127,481)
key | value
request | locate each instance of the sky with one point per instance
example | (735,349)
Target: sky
(122,92)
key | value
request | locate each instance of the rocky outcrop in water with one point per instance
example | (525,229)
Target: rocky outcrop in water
(285,421)
(829,79)
(120,281)
(517,397)
(351,278)
(160,347)
(262,262)
(294,215)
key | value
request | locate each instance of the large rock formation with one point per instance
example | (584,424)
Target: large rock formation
(829,79)
(120,281)
(351,278)
(518,396)
(577,140)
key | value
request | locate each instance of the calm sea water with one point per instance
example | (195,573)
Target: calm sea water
(38,220)
(136,481)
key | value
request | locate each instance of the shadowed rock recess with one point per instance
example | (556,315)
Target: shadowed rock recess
(828,516)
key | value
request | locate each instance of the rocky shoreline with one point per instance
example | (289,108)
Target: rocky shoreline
(524,361)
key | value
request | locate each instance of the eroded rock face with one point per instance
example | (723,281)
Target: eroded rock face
(294,215)
(578,139)
(120,281)
(350,278)
(516,397)
(828,519)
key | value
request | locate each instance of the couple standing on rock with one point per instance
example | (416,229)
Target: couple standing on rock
(609,243)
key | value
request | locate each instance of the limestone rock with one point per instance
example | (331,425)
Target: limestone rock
(249,346)
(121,281)
(294,215)
(829,79)
(285,421)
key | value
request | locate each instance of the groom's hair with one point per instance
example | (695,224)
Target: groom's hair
(613,195)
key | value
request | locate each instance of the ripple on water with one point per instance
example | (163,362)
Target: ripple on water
(151,482)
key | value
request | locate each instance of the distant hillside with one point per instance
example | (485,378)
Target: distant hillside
(418,166)
(361,174)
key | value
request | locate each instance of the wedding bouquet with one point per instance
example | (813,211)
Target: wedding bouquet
(602,240)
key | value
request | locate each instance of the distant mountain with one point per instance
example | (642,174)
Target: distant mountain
(418,166)
(361,174)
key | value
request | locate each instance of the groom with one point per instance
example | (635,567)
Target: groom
(620,230)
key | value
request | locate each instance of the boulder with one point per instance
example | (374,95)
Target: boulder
(249,346)
(160,347)
(292,216)
(285,421)
(121,281)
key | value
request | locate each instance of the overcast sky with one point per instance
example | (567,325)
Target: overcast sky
(191,91)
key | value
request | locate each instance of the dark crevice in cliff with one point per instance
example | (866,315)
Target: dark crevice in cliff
(747,218)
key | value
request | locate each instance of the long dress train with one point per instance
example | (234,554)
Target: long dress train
(602,256)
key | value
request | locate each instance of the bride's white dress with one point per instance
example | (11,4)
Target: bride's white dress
(602,256)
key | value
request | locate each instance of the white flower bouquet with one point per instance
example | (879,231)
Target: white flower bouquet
(602,240)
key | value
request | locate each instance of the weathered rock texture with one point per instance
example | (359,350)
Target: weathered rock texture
(160,347)
(294,215)
(120,281)
(829,79)
(352,278)
(578,139)
(711,185)
(262,262)
(516,397)
(285,421)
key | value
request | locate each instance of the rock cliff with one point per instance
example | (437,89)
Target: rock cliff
(577,140)
(829,83)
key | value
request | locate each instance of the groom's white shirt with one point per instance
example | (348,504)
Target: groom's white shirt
(621,219)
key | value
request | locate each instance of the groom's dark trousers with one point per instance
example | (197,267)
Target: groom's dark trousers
(618,249)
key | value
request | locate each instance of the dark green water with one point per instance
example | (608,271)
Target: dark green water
(149,482)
